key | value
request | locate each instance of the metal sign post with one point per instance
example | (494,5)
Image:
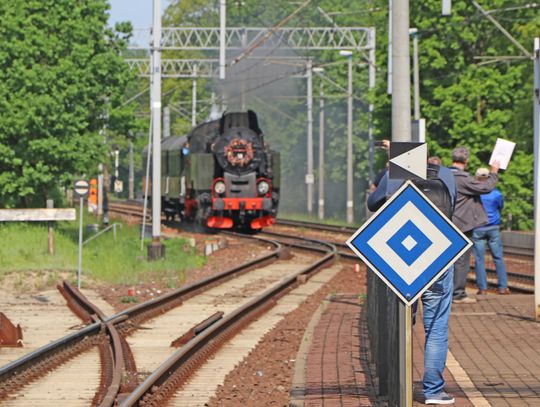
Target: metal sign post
(401,131)
(536,138)
(81,190)
(409,244)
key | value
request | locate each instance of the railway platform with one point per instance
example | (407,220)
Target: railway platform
(493,360)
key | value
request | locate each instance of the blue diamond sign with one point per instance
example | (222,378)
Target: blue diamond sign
(409,243)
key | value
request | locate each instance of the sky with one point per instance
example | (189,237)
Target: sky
(139,12)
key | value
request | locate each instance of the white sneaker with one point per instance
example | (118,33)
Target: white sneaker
(441,398)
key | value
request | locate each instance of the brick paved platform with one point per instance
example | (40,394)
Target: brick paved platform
(494,357)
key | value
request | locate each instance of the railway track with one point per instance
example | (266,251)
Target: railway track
(69,350)
(519,260)
(240,307)
(213,317)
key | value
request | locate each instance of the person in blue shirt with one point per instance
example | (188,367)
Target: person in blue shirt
(489,234)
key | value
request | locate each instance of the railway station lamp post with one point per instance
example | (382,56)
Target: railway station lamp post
(350,206)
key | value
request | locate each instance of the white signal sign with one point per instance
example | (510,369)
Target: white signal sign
(81,188)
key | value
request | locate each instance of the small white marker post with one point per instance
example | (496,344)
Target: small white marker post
(81,190)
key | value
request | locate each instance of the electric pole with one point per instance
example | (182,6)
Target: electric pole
(166,122)
(537,177)
(156,250)
(401,132)
(321,151)
(372,72)
(309,174)
(222,37)
(194,97)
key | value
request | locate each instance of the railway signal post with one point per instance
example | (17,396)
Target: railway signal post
(81,190)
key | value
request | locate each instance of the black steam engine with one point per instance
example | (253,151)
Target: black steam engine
(223,174)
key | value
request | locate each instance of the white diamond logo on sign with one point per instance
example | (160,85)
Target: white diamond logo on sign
(409,243)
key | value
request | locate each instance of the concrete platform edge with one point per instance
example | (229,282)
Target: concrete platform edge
(299,379)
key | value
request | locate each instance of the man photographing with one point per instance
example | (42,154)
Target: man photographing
(468,213)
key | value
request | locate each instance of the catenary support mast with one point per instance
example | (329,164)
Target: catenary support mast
(309,174)
(401,132)
(537,177)
(155,250)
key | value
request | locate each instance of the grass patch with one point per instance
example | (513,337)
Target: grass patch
(117,261)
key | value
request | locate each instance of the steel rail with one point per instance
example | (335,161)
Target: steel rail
(515,279)
(138,311)
(114,352)
(318,226)
(79,304)
(51,355)
(345,254)
(173,371)
(19,372)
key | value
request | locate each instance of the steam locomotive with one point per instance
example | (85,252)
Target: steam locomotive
(222,175)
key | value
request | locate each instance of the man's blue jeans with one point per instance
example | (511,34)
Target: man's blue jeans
(437,303)
(492,236)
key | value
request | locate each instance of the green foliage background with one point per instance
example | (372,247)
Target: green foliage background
(63,81)
(464,100)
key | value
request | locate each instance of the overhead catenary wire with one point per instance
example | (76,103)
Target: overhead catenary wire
(270,32)
(503,30)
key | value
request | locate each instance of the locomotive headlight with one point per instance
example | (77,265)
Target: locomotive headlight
(263,187)
(219,187)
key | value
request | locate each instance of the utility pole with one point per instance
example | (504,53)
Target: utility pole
(350,202)
(537,177)
(194,97)
(321,151)
(401,132)
(309,174)
(156,250)
(222,37)
(416,74)
(372,70)
(243,83)
(100,190)
(131,177)
(390,36)
(166,122)
(419,127)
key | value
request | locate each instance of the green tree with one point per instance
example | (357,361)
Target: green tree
(464,100)
(62,80)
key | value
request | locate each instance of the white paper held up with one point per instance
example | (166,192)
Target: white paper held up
(502,152)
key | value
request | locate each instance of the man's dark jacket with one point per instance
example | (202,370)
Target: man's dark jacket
(469,212)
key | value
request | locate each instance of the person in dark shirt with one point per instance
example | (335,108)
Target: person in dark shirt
(385,145)
(490,234)
(468,214)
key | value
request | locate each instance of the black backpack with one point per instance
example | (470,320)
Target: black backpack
(436,190)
